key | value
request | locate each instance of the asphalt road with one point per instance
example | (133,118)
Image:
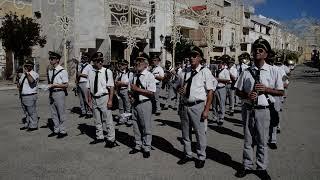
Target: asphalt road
(33,155)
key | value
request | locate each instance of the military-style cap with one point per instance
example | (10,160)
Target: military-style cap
(85,55)
(156,57)
(98,56)
(244,56)
(261,43)
(28,62)
(225,58)
(195,50)
(54,55)
(124,62)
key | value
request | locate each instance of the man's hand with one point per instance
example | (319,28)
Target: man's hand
(260,87)
(253,95)
(109,104)
(134,87)
(205,114)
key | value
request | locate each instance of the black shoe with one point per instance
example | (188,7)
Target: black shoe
(32,129)
(111,144)
(231,113)
(134,151)
(199,163)
(278,131)
(272,145)
(241,173)
(24,128)
(129,125)
(96,141)
(174,108)
(82,115)
(184,160)
(263,174)
(146,154)
(52,134)
(165,108)
(62,135)
(88,116)
(157,113)
(220,123)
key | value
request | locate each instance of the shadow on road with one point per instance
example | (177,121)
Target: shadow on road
(173,124)
(49,124)
(226,131)
(232,120)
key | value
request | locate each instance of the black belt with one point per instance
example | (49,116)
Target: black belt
(57,90)
(142,101)
(28,94)
(258,107)
(193,103)
(97,97)
(220,87)
(157,84)
(83,82)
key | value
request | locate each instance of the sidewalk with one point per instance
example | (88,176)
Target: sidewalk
(7,85)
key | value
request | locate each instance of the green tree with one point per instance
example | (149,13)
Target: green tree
(181,48)
(20,34)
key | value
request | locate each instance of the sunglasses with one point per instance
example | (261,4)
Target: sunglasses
(259,50)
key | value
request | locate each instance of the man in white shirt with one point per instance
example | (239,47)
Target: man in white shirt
(223,78)
(58,84)
(101,87)
(143,90)
(82,78)
(196,86)
(255,86)
(230,87)
(28,89)
(158,73)
(123,80)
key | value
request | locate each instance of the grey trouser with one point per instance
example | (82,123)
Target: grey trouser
(142,125)
(30,107)
(84,96)
(103,118)
(231,96)
(24,112)
(256,129)
(157,97)
(220,103)
(273,130)
(58,111)
(124,104)
(191,116)
(172,96)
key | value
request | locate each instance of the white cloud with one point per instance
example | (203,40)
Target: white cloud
(255,2)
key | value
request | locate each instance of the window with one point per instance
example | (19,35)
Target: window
(219,35)
(152,40)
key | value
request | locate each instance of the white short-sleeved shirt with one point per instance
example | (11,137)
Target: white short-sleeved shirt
(60,78)
(158,71)
(283,74)
(233,71)
(102,84)
(269,76)
(286,69)
(26,89)
(224,74)
(202,82)
(243,67)
(125,77)
(86,69)
(148,82)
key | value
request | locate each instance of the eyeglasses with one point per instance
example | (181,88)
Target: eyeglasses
(259,50)
(51,59)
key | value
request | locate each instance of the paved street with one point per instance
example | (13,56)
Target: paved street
(33,155)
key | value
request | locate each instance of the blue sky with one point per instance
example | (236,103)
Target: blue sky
(285,10)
